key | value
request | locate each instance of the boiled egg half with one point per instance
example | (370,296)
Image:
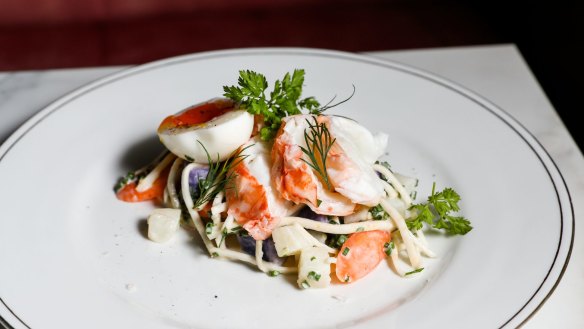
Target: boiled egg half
(216,124)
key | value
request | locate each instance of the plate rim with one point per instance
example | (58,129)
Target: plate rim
(536,147)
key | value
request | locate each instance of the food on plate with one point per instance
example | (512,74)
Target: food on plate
(218,124)
(270,179)
(147,183)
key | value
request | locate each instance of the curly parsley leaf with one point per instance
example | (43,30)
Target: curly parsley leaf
(284,99)
(437,213)
(310,104)
(425,215)
(251,86)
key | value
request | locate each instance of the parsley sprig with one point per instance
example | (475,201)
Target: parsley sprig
(284,100)
(220,176)
(437,213)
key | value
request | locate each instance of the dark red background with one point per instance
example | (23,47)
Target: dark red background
(44,34)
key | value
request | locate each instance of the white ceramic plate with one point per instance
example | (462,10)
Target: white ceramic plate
(72,256)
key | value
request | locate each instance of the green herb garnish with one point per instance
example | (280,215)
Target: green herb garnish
(220,176)
(418,270)
(378,213)
(346,251)
(282,101)
(386,165)
(336,240)
(313,275)
(436,212)
(273,273)
(223,236)
(305,284)
(209,228)
(332,221)
(389,246)
(131,176)
(318,144)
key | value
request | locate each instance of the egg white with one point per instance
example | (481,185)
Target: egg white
(221,136)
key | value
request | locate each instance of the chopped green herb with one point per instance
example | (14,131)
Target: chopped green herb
(360,229)
(332,221)
(318,202)
(273,273)
(347,278)
(223,236)
(305,284)
(189,158)
(318,144)
(436,212)
(386,165)
(346,251)
(312,258)
(414,195)
(313,275)
(378,213)
(418,270)
(389,246)
(130,177)
(209,228)
(215,254)
(336,240)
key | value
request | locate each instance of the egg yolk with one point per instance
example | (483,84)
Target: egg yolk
(197,114)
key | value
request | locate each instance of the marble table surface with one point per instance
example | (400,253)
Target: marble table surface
(497,72)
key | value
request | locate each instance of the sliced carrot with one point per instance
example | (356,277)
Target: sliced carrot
(128,193)
(360,254)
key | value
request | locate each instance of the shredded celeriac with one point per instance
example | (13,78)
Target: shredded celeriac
(413,246)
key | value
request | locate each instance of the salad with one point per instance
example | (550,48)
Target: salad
(270,179)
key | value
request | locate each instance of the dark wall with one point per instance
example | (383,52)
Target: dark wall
(77,33)
(550,35)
